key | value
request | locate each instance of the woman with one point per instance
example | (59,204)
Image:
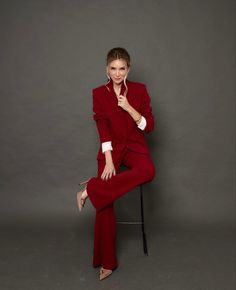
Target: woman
(123,113)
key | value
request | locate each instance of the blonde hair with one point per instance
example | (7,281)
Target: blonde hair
(118,53)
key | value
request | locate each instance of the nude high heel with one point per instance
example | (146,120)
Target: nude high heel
(80,200)
(104,273)
(83,182)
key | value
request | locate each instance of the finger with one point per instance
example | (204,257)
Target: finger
(107,175)
(103,174)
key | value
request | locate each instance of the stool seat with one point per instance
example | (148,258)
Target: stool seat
(140,222)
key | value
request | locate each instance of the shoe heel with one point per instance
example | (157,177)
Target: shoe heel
(83,182)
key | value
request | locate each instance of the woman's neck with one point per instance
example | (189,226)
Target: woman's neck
(117,88)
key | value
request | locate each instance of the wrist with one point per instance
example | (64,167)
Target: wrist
(129,109)
(138,120)
(108,157)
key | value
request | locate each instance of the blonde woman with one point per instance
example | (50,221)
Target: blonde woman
(122,111)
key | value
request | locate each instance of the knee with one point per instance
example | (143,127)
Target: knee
(149,172)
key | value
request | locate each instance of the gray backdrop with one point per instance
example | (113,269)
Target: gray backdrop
(53,54)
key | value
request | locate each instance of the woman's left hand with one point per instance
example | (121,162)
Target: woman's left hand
(123,102)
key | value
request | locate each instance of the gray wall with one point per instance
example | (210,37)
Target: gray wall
(53,53)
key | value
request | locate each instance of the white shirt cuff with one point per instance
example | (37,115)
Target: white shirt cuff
(142,123)
(106,146)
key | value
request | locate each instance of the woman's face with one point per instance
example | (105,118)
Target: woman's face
(117,70)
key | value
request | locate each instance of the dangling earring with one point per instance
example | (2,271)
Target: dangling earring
(126,88)
(108,80)
(107,74)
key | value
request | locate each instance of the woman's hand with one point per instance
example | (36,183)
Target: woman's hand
(108,171)
(123,103)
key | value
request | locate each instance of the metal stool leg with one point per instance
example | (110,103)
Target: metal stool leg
(145,248)
(141,222)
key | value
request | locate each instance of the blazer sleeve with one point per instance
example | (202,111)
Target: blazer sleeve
(101,119)
(146,110)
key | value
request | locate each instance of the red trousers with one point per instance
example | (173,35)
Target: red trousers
(103,193)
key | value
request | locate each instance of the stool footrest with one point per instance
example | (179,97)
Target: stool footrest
(129,223)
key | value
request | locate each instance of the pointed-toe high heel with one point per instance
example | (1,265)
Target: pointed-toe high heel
(104,273)
(81,200)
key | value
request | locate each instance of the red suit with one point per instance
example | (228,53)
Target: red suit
(129,148)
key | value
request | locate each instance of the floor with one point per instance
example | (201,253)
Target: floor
(40,255)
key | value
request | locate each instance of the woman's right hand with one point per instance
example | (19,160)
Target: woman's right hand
(108,171)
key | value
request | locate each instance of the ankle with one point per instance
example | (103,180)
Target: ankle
(102,268)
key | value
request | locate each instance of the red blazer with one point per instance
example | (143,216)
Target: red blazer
(115,124)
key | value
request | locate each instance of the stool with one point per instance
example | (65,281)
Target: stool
(140,222)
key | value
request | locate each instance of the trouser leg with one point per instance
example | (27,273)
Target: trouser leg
(104,251)
(103,192)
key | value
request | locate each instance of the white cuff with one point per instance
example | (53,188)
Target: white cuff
(106,146)
(142,124)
